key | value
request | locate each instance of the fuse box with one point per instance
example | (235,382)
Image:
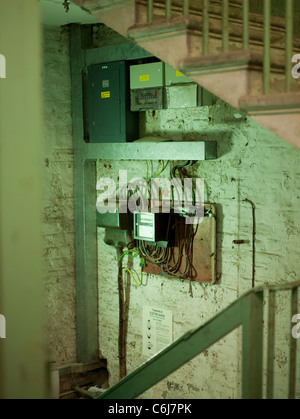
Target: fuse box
(147,99)
(173,76)
(145,76)
(153,228)
(146,86)
(182,96)
(109,114)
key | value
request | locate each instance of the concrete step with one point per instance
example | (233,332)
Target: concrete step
(279,113)
(235,74)
(170,40)
(227,75)
(117,14)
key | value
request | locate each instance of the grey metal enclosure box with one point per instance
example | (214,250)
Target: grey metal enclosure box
(182,96)
(109,114)
(144,76)
(173,76)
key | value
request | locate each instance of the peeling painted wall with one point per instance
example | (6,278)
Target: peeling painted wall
(58,201)
(255,164)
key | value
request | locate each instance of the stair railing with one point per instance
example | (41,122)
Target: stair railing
(246,311)
(273,290)
(267,40)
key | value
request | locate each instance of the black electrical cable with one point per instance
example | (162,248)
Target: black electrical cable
(181,166)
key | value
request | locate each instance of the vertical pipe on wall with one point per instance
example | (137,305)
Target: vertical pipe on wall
(289,16)
(205,28)
(168,9)
(267,46)
(245,24)
(252,346)
(150,11)
(186,7)
(225,25)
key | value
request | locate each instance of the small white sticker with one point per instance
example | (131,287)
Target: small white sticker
(146,232)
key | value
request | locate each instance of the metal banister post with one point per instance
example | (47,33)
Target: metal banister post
(252,346)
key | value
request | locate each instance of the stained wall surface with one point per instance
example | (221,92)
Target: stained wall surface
(58,199)
(252,163)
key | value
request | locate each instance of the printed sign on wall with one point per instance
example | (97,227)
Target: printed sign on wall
(157,330)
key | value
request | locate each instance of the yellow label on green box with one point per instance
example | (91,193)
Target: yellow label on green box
(105,95)
(145,77)
(179,73)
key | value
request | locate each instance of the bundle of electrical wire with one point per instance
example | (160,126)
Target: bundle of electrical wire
(166,259)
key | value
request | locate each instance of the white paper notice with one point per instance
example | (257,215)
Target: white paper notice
(157,330)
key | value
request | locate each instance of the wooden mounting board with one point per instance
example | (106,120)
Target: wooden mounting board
(204,250)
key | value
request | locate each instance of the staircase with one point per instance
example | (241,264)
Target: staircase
(241,51)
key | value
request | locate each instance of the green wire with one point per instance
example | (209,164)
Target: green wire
(157,174)
(162,169)
(147,171)
(128,254)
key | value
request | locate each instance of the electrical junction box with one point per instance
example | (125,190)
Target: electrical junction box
(182,96)
(173,76)
(146,86)
(147,99)
(183,92)
(115,219)
(145,76)
(109,114)
(207,98)
(153,228)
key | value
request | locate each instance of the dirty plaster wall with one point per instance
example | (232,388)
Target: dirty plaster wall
(58,200)
(255,164)
(252,164)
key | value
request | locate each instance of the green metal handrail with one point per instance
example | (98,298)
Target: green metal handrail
(267,46)
(186,7)
(246,311)
(289,42)
(225,25)
(293,289)
(205,28)
(246,21)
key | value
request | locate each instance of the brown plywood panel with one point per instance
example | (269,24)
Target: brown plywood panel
(202,266)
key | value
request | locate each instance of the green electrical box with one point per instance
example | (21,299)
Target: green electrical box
(173,76)
(144,76)
(146,86)
(109,114)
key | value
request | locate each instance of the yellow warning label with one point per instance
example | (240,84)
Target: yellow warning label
(144,77)
(105,95)
(179,74)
